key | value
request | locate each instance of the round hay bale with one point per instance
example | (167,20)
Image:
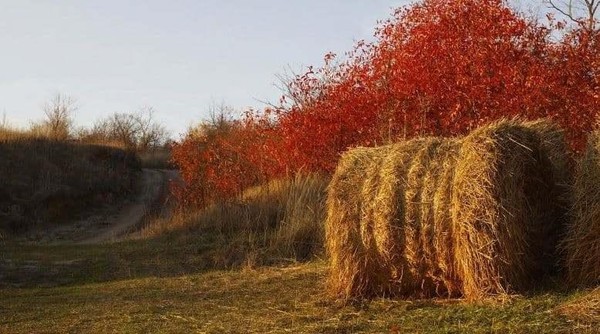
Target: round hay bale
(358,245)
(581,244)
(396,236)
(502,181)
(436,238)
(354,271)
(443,217)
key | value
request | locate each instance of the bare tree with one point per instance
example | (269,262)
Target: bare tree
(59,116)
(583,12)
(149,132)
(118,127)
(137,131)
(220,120)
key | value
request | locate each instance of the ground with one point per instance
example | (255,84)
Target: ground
(111,221)
(162,286)
(171,284)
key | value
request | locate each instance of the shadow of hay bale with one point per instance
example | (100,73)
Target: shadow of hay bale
(471,216)
(581,244)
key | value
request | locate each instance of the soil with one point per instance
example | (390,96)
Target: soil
(115,221)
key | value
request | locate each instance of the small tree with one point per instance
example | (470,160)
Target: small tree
(149,133)
(59,116)
(137,131)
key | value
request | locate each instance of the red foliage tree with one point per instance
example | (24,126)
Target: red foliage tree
(439,67)
(444,67)
(219,159)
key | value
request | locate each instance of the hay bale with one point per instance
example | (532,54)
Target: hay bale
(444,217)
(502,184)
(581,245)
(553,141)
(358,270)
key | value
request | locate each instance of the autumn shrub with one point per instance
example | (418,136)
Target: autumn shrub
(442,67)
(436,67)
(220,158)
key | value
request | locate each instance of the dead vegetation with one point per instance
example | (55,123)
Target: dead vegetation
(45,181)
(275,222)
(581,245)
(471,216)
(583,309)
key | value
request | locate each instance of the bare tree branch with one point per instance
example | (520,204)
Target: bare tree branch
(587,9)
(137,131)
(59,116)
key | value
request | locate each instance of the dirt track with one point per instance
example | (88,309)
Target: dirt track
(153,187)
(119,220)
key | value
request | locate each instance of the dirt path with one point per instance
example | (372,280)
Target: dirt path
(119,220)
(153,187)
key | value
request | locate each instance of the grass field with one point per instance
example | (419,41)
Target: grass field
(256,265)
(171,284)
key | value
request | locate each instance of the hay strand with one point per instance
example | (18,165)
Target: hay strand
(581,245)
(446,217)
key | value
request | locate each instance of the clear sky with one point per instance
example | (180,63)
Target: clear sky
(178,56)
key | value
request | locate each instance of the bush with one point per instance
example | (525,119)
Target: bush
(437,67)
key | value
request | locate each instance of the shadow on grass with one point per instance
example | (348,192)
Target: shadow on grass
(292,296)
(24,265)
(172,255)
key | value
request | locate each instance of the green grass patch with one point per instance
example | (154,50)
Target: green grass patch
(172,285)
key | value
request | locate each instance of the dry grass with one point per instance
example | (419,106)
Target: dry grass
(46,181)
(281,220)
(471,216)
(165,286)
(583,309)
(156,158)
(582,241)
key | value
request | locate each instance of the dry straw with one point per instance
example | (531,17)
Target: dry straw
(581,245)
(470,216)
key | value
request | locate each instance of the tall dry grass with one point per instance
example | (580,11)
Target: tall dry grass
(584,310)
(44,181)
(281,220)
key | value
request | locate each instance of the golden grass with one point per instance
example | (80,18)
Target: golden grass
(165,286)
(170,285)
(584,310)
(281,220)
(470,216)
(581,245)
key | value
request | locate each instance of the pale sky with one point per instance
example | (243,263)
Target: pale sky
(177,56)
